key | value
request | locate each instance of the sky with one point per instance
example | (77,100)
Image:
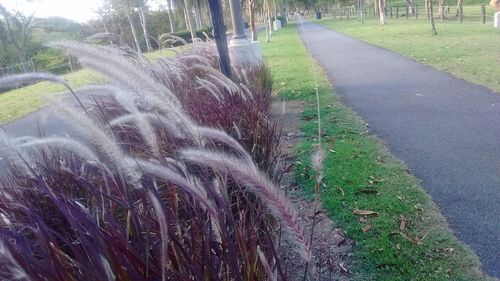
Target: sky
(77,10)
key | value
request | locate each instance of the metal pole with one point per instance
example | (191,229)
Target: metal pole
(483,14)
(237,19)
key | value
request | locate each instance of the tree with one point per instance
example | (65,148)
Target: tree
(170,16)
(459,6)
(127,8)
(441,9)
(115,11)
(251,13)
(434,32)
(18,29)
(142,18)
(411,7)
(381,8)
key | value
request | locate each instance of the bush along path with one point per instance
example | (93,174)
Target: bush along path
(398,231)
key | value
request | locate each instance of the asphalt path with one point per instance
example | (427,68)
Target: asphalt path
(447,130)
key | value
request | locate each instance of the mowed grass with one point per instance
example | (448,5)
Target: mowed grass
(468,50)
(407,238)
(19,102)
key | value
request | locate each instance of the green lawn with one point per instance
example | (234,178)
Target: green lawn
(360,173)
(19,102)
(468,50)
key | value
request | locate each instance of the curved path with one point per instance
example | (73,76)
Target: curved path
(447,130)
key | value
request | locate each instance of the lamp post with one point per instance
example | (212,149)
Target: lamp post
(243,52)
(237,20)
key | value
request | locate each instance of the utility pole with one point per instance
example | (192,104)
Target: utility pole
(217,16)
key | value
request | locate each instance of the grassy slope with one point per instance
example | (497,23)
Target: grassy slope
(19,102)
(357,162)
(468,50)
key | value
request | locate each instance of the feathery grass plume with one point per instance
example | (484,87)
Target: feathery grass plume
(117,68)
(189,185)
(10,269)
(172,110)
(166,123)
(17,80)
(11,156)
(265,263)
(260,185)
(104,36)
(107,268)
(104,144)
(218,135)
(210,87)
(20,79)
(63,144)
(218,77)
(162,221)
(171,40)
(317,160)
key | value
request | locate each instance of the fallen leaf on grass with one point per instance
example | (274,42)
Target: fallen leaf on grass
(398,246)
(343,269)
(362,219)
(402,223)
(416,240)
(366,228)
(365,213)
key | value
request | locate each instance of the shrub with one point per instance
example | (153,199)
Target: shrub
(155,188)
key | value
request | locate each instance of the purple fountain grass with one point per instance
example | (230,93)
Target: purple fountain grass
(123,203)
(248,174)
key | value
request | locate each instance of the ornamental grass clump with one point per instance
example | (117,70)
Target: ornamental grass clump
(168,178)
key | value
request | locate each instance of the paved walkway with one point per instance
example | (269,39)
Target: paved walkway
(446,130)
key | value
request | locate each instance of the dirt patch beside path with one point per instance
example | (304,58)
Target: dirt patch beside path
(331,248)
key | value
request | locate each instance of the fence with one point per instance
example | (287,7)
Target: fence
(481,14)
(58,64)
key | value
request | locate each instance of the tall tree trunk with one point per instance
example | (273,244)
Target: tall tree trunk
(360,5)
(170,16)
(189,18)
(376,7)
(266,23)
(197,14)
(134,34)
(411,7)
(381,9)
(269,21)
(441,9)
(251,10)
(142,18)
(217,16)
(427,9)
(459,3)
(434,32)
